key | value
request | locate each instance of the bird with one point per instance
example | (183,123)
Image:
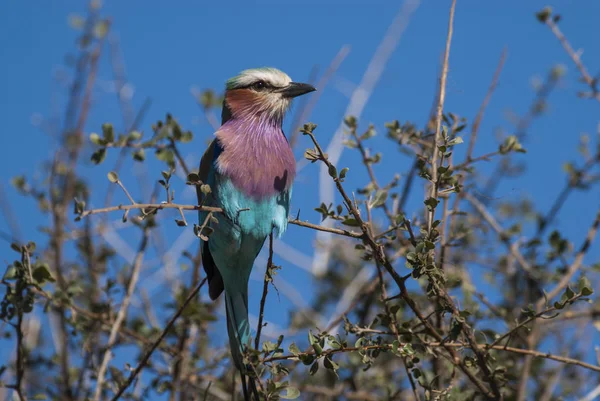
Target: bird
(249,167)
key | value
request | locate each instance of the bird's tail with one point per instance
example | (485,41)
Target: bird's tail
(238,326)
(238,329)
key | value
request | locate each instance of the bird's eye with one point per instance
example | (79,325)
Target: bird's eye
(260,85)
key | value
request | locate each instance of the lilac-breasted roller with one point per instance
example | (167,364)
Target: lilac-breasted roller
(249,165)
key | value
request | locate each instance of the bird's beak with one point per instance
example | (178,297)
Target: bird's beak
(295,89)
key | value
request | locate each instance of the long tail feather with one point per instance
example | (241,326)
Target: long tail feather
(238,327)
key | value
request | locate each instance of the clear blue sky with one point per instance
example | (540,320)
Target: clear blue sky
(171,47)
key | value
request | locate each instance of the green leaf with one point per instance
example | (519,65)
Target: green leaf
(76,21)
(306,359)
(139,155)
(308,128)
(166,155)
(350,122)
(379,198)
(205,189)
(332,171)
(186,137)
(543,15)
(96,140)
(431,203)
(113,177)
(291,393)
(100,29)
(99,156)
(351,222)
(311,155)
(343,172)
(11,273)
(369,133)
(455,141)
(135,135)
(269,346)
(314,341)
(569,293)
(108,132)
(41,274)
(328,363)
(293,348)
(314,368)
(511,144)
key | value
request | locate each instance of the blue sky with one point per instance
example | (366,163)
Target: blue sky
(168,49)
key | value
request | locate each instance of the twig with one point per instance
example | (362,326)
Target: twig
(482,108)
(264,293)
(124,331)
(438,119)
(135,273)
(321,84)
(152,206)
(533,353)
(380,256)
(358,101)
(564,281)
(156,343)
(591,82)
(480,207)
(346,233)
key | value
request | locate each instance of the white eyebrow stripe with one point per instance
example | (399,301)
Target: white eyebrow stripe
(272,76)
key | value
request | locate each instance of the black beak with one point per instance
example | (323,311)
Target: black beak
(296,89)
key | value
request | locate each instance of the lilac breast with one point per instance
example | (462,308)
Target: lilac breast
(256,157)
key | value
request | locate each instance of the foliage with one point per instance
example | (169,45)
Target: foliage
(418,328)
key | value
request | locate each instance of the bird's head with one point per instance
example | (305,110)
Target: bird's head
(264,93)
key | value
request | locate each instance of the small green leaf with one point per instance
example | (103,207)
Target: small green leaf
(205,189)
(108,132)
(42,274)
(455,141)
(186,137)
(379,198)
(100,29)
(328,363)
(139,155)
(293,348)
(343,172)
(291,393)
(332,171)
(431,203)
(113,177)
(99,156)
(308,128)
(96,140)
(351,222)
(314,368)
(135,135)
(350,122)
(543,15)
(569,293)
(11,273)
